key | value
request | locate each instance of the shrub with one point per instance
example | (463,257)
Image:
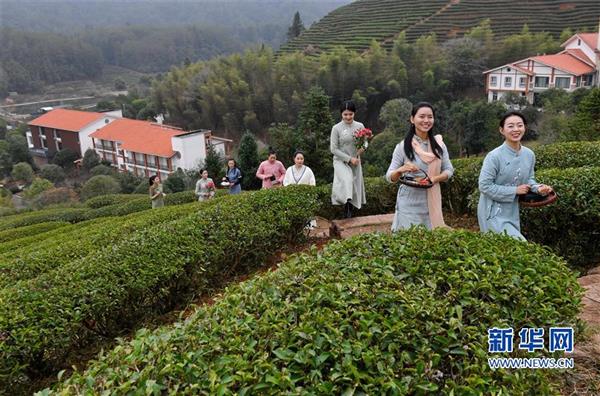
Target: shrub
(91,159)
(117,285)
(112,199)
(55,196)
(54,173)
(570,226)
(65,158)
(37,187)
(22,232)
(22,171)
(174,184)
(129,182)
(99,185)
(568,155)
(102,170)
(376,314)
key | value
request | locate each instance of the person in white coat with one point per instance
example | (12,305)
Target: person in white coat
(299,173)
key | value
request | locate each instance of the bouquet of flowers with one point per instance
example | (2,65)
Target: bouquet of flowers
(362,137)
(210,185)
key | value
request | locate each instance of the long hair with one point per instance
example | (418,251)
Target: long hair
(408,148)
(151,180)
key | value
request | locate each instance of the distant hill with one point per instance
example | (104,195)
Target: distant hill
(356,24)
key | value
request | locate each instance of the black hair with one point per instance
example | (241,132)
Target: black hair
(348,105)
(272,151)
(298,152)
(408,148)
(234,162)
(202,171)
(151,180)
(510,114)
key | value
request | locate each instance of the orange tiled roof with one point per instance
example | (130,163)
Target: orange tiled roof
(591,39)
(65,119)
(578,54)
(140,136)
(565,62)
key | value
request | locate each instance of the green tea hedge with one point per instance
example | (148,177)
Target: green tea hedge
(111,199)
(377,314)
(22,232)
(45,318)
(571,225)
(568,155)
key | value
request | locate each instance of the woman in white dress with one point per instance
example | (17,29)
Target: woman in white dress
(299,173)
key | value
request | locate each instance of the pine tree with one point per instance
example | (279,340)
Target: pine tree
(214,163)
(249,161)
(297,27)
(314,126)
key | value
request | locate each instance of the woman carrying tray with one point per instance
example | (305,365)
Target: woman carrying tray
(420,151)
(506,174)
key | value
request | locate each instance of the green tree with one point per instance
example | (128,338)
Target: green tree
(37,187)
(314,126)
(66,158)
(249,161)
(18,148)
(99,185)
(91,159)
(128,181)
(22,171)
(297,27)
(285,140)
(395,115)
(6,163)
(52,172)
(586,124)
(102,170)
(214,163)
(174,183)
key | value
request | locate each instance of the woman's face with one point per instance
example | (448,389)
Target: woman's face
(205,174)
(299,159)
(423,120)
(513,129)
(230,164)
(348,116)
(272,157)
(156,180)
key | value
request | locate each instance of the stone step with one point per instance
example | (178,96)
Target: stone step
(346,228)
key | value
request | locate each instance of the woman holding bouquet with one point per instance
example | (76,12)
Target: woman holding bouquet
(507,172)
(420,150)
(348,184)
(205,187)
(157,196)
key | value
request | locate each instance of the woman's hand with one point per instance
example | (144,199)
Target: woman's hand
(408,167)
(544,189)
(360,151)
(523,189)
(355,161)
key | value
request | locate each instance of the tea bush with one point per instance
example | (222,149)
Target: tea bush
(376,314)
(31,230)
(43,319)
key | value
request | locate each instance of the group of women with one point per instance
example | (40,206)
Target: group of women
(507,173)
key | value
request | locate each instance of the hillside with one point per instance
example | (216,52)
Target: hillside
(356,24)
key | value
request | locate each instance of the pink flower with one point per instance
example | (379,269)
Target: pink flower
(362,137)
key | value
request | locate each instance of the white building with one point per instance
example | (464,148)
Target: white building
(64,128)
(578,65)
(147,148)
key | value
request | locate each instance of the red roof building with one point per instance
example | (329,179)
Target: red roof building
(577,66)
(64,128)
(147,148)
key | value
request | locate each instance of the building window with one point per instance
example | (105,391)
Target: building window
(43,138)
(588,80)
(164,162)
(59,145)
(562,82)
(494,96)
(507,81)
(493,81)
(542,82)
(151,161)
(139,159)
(508,69)
(521,82)
(579,42)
